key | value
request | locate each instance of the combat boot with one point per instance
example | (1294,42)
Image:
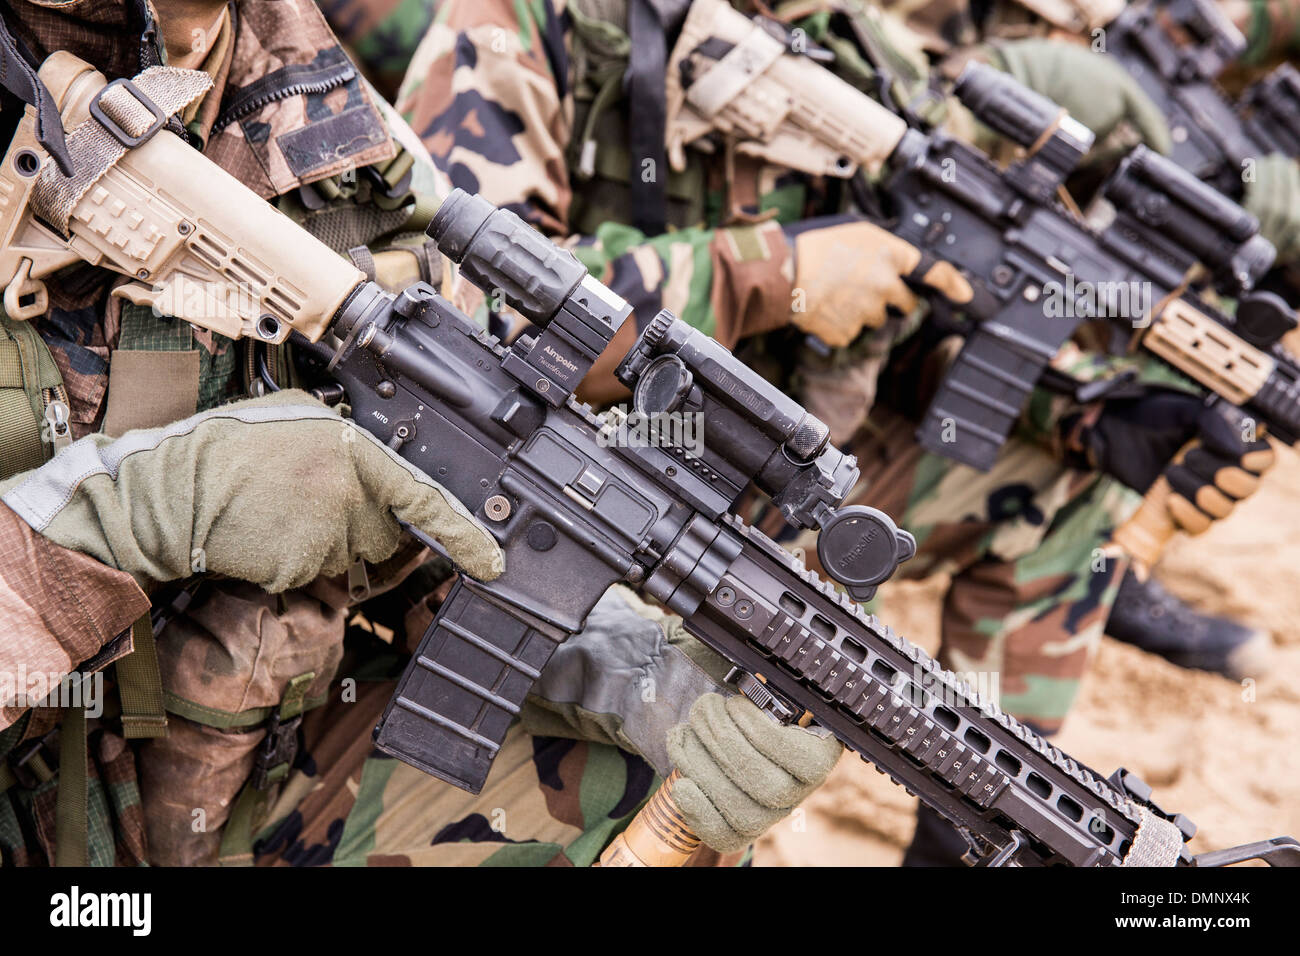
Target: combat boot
(1149,617)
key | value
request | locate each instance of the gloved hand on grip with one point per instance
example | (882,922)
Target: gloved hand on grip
(847,275)
(741,772)
(1137,440)
(1211,477)
(275,490)
(1093,87)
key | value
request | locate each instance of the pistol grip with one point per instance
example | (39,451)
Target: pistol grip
(465,684)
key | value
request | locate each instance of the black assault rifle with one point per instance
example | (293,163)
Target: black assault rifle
(1019,245)
(574,514)
(1176,50)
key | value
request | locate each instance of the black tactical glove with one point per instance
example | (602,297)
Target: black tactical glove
(1136,440)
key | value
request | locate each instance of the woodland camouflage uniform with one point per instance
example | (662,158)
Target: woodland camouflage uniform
(381,35)
(503,96)
(237,655)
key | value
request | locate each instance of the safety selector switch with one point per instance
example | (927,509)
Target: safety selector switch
(861,547)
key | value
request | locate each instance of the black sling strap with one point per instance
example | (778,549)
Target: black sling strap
(649,22)
(18,76)
(647,60)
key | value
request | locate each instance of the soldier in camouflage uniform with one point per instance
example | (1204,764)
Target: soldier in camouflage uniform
(502,121)
(121,367)
(1053,57)
(524,104)
(247,652)
(380,35)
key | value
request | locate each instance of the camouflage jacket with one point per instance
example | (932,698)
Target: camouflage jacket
(289,117)
(381,35)
(236,653)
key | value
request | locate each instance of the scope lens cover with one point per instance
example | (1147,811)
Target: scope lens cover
(662,386)
(861,547)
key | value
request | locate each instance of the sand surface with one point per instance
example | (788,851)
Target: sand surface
(1227,754)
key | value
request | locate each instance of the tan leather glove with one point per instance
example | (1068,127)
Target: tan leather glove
(741,772)
(1209,479)
(848,275)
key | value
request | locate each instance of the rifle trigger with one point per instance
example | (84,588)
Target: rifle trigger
(756,690)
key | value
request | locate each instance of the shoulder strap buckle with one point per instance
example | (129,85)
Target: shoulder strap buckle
(33,762)
(123,109)
(276,755)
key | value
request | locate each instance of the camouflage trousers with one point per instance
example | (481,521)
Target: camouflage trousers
(1033,577)
(185,799)
(548,801)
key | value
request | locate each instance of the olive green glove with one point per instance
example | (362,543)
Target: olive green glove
(277,491)
(1096,90)
(1273,197)
(741,771)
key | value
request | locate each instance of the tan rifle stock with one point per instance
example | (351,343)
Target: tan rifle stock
(196,243)
(786,110)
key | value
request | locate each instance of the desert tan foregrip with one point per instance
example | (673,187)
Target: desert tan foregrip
(787,110)
(197,243)
(1204,350)
(657,836)
(1213,356)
